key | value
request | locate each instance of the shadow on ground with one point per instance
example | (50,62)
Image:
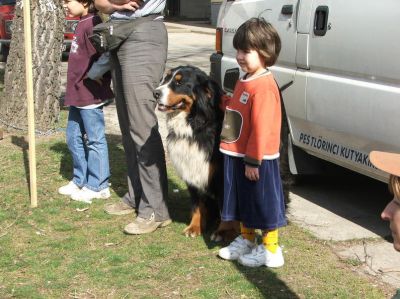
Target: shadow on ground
(269,285)
(21,142)
(362,202)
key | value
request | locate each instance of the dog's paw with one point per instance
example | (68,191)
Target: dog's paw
(216,237)
(192,231)
(226,231)
(225,235)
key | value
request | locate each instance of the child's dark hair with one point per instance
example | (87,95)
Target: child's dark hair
(90,4)
(257,34)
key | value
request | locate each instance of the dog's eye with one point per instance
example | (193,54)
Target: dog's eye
(178,79)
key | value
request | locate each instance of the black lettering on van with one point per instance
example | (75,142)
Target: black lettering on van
(304,138)
(346,153)
(359,159)
(313,141)
(324,145)
(336,149)
(351,156)
(358,154)
(319,143)
(365,159)
(301,138)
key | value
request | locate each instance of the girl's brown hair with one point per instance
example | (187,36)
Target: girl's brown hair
(259,35)
(394,186)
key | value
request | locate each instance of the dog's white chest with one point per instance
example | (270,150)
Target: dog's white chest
(190,162)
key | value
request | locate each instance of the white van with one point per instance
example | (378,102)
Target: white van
(339,71)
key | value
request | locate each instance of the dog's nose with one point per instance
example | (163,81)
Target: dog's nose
(156,94)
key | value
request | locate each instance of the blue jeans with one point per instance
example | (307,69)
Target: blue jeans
(89,153)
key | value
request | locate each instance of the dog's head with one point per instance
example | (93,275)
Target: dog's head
(186,87)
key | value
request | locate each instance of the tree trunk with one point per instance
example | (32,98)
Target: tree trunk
(47,18)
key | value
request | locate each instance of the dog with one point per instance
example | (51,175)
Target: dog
(194,121)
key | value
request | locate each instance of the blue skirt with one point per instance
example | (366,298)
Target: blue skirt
(257,204)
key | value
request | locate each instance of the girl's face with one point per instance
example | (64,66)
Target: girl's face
(392,214)
(250,61)
(75,8)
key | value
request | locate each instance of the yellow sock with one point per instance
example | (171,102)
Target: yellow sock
(247,233)
(270,240)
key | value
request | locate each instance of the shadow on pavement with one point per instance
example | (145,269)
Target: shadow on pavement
(355,197)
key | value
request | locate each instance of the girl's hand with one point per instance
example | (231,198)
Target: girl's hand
(251,173)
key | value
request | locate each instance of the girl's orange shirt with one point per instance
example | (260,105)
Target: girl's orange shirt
(252,122)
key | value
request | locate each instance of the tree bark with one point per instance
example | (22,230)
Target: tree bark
(47,18)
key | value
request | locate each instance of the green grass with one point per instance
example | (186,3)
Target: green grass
(55,251)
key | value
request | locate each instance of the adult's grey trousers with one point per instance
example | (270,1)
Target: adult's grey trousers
(138,66)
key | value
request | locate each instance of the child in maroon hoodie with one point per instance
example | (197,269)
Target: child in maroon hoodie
(86,97)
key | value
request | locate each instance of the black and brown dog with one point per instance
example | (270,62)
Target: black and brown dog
(194,120)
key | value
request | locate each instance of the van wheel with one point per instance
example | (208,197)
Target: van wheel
(288,179)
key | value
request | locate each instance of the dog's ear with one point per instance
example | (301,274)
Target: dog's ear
(207,91)
(214,92)
(210,87)
(201,92)
(208,96)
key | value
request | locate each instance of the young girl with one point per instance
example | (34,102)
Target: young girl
(85,130)
(250,140)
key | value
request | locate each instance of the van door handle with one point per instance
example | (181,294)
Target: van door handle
(321,20)
(287,10)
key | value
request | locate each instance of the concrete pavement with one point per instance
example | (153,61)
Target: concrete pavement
(195,27)
(355,235)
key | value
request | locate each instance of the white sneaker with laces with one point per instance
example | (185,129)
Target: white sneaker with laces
(238,247)
(260,256)
(68,189)
(86,195)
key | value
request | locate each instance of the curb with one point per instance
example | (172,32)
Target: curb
(175,27)
(177,30)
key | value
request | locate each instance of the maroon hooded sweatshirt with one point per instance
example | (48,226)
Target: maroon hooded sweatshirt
(80,92)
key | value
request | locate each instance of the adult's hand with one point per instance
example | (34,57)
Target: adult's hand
(131,5)
(109,6)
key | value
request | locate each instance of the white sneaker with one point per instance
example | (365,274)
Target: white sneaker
(260,256)
(68,189)
(86,195)
(238,247)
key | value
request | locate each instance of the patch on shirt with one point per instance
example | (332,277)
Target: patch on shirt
(74,45)
(244,97)
(232,126)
